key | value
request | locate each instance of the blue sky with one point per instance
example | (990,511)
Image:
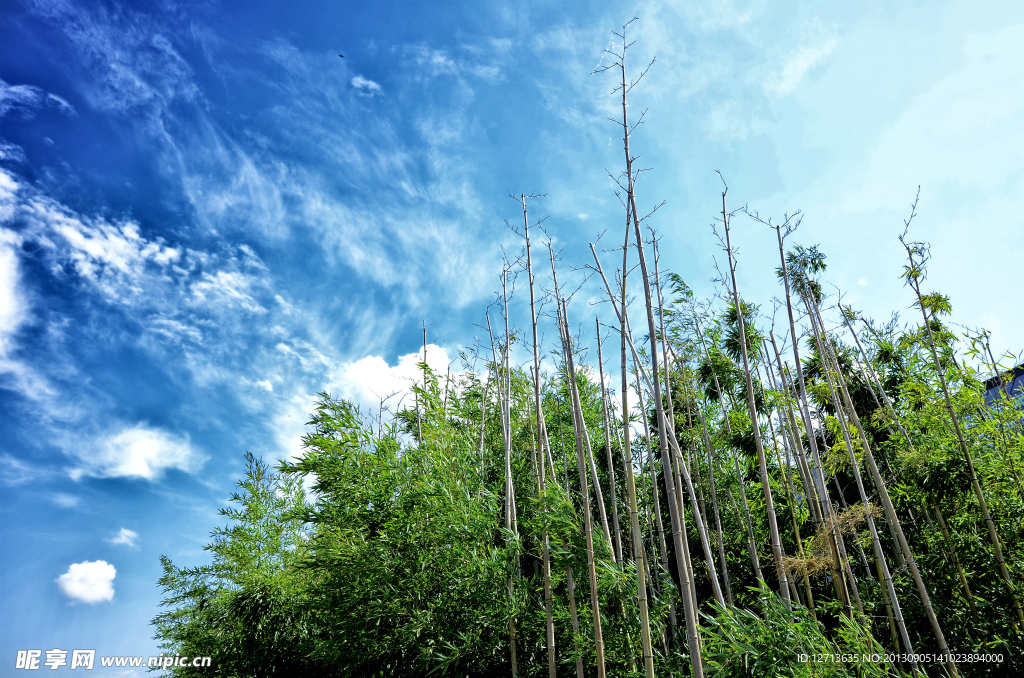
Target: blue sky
(207,216)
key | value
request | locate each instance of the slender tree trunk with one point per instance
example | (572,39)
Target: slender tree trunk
(959,568)
(837,545)
(509,485)
(892,603)
(655,495)
(419,422)
(714,504)
(773,527)
(605,529)
(574,613)
(584,492)
(483,417)
(755,560)
(627,339)
(698,517)
(608,448)
(883,491)
(510,510)
(639,552)
(681,549)
(789,490)
(541,476)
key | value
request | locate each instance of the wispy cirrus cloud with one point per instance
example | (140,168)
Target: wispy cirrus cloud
(14,471)
(26,99)
(792,57)
(254,181)
(65,500)
(798,64)
(211,303)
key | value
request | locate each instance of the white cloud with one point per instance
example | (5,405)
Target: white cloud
(364,382)
(797,65)
(65,500)
(137,452)
(369,379)
(91,581)
(25,98)
(14,471)
(366,87)
(181,299)
(433,62)
(124,537)
(12,303)
(227,288)
(115,258)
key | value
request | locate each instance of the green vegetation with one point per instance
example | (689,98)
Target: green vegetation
(774,500)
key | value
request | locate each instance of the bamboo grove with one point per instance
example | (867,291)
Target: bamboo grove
(675,487)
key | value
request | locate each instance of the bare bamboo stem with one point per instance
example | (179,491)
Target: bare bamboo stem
(773,527)
(584,491)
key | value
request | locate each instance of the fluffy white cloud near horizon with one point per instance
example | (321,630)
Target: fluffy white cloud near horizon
(364,382)
(371,378)
(91,581)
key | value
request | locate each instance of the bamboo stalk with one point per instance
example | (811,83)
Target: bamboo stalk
(883,493)
(714,504)
(837,545)
(541,476)
(693,639)
(829,362)
(655,496)
(584,491)
(789,489)
(913,275)
(698,517)
(773,527)
(608,448)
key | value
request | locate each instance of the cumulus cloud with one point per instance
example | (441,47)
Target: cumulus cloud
(364,382)
(91,581)
(137,452)
(369,379)
(124,537)
(366,87)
